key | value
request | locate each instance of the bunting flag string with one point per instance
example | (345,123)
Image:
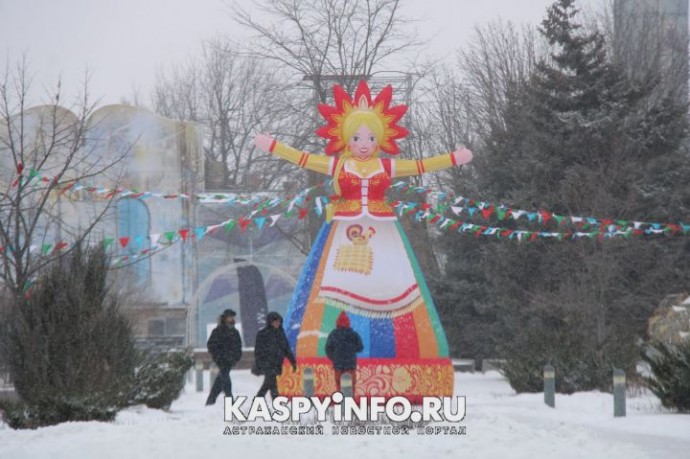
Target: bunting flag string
(450,224)
(262,216)
(267,211)
(460,206)
(425,212)
(71,187)
(159,241)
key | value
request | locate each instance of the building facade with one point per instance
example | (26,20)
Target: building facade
(146,172)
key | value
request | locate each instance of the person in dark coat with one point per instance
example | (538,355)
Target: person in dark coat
(270,350)
(225,347)
(342,346)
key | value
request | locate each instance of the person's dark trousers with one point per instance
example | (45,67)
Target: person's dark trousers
(339,374)
(270,384)
(221,384)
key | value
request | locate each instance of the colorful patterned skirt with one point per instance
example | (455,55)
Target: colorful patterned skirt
(367,268)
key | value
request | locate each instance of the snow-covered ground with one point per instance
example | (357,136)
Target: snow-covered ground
(499,424)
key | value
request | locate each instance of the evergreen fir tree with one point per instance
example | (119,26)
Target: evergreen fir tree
(581,138)
(70,349)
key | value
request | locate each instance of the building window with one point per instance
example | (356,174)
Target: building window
(175,327)
(134,222)
(156,327)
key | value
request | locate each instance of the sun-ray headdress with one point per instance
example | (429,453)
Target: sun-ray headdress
(336,115)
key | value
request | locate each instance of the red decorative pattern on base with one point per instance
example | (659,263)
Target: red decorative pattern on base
(410,378)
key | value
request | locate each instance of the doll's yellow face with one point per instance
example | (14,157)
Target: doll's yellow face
(363,143)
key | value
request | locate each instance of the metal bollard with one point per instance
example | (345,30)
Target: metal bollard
(618,393)
(199,376)
(346,385)
(550,386)
(308,381)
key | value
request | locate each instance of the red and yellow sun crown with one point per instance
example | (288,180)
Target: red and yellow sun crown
(336,115)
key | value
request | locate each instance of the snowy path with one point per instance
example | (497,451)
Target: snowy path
(499,425)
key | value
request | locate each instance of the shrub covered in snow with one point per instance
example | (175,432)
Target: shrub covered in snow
(670,378)
(159,379)
(56,409)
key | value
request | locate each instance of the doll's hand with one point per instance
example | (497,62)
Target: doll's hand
(462,156)
(264,142)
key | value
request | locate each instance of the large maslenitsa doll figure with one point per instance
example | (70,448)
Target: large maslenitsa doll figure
(361,262)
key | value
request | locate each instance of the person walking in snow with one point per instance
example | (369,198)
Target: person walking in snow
(270,350)
(342,346)
(225,347)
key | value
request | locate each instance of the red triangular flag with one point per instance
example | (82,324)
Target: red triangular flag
(545,215)
(60,246)
(244,223)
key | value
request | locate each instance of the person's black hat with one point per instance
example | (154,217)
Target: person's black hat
(272,316)
(229,313)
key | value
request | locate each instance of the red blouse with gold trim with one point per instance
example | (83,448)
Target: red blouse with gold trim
(363,183)
(364,195)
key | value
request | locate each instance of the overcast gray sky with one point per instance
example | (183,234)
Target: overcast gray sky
(123,42)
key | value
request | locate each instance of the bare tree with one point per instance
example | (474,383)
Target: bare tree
(323,40)
(42,149)
(234,97)
(441,119)
(650,43)
(500,58)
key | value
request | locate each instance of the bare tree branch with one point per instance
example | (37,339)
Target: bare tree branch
(49,141)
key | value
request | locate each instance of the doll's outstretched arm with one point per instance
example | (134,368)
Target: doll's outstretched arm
(318,163)
(407,167)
